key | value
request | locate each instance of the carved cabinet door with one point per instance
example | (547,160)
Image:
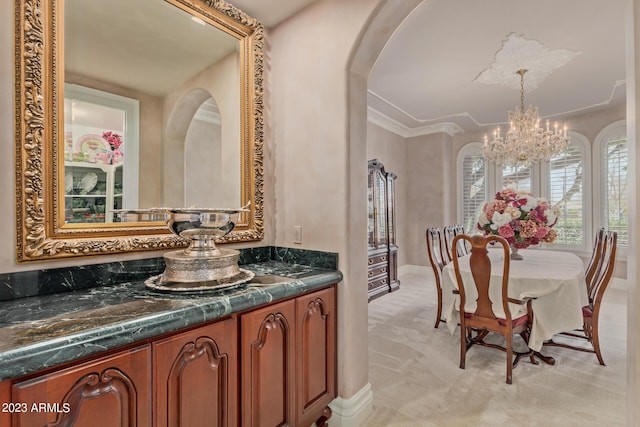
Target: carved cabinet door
(195,377)
(268,366)
(316,355)
(112,391)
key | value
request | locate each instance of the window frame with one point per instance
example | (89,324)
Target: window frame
(617,129)
(472,149)
(577,139)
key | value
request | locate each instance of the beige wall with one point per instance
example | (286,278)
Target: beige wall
(308,134)
(221,81)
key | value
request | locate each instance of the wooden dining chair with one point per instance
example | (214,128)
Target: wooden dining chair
(448,233)
(596,254)
(463,247)
(434,252)
(597,283)
(475,326)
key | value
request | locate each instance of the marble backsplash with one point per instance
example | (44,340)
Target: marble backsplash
(50,281)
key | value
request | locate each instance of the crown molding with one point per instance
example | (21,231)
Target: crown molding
(377,118)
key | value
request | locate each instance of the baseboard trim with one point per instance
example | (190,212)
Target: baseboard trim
(352,412)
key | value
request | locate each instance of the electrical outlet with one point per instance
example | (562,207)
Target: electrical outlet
(297,234)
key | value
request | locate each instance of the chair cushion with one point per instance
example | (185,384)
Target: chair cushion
(587,311)
(522,320)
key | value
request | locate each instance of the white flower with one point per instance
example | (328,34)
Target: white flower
(550,214)
(532,202)
(500,219)
(482,218)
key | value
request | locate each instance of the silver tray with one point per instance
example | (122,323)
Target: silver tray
(155,283)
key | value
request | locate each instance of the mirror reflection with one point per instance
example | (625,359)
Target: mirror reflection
(151,117)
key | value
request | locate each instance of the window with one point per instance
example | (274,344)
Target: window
(611,149)
(567,189)
(473,187)
(518,178)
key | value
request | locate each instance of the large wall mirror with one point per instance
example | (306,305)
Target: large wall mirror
(133,104)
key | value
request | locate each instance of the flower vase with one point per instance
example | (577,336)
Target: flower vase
(515,255)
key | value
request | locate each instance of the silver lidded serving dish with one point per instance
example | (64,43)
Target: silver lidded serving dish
(202,266)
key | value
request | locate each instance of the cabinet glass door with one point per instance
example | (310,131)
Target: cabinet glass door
(380,195)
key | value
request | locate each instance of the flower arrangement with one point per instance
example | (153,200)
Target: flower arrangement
(114,140)
(522,219)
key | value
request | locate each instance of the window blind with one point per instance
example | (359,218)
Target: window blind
(518,178)
(474,189)
(566,188)
(615,207)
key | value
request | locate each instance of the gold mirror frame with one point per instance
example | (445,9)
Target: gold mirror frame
(38,98)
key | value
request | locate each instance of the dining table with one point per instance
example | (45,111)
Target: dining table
(553,280)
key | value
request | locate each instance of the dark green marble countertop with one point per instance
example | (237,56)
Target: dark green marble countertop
(44,331)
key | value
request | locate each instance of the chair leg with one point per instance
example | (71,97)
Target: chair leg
(595,340)
(509,358)
(463,346)
(439,313)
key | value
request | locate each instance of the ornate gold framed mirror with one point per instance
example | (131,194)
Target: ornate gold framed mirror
(133,104)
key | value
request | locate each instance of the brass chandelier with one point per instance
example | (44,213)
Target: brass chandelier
(525,142)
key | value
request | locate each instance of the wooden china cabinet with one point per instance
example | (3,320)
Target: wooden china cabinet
(383,251)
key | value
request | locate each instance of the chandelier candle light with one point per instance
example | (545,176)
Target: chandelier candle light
(525,142)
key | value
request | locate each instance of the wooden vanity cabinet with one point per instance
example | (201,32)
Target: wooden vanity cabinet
(195,377)
(111,391)
(273,366)
(288,362)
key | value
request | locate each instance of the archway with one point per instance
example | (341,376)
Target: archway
(374,36)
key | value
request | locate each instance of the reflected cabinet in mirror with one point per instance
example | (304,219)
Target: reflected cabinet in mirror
(133,104)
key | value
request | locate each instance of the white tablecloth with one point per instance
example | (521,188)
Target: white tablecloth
(555,279)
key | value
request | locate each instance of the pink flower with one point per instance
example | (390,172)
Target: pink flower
(506,194)
(542,231)
(506,231)
(529,229)
(495,206)
(114,140)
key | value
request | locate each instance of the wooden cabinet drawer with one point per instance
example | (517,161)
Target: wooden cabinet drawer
(383,281)
(378,259)
(378,271)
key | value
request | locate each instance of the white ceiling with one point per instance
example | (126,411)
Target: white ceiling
(424,79)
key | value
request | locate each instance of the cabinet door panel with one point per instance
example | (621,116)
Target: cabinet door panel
(109,392)
(195,377)
(268,366)
(5,399)
(316,356)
